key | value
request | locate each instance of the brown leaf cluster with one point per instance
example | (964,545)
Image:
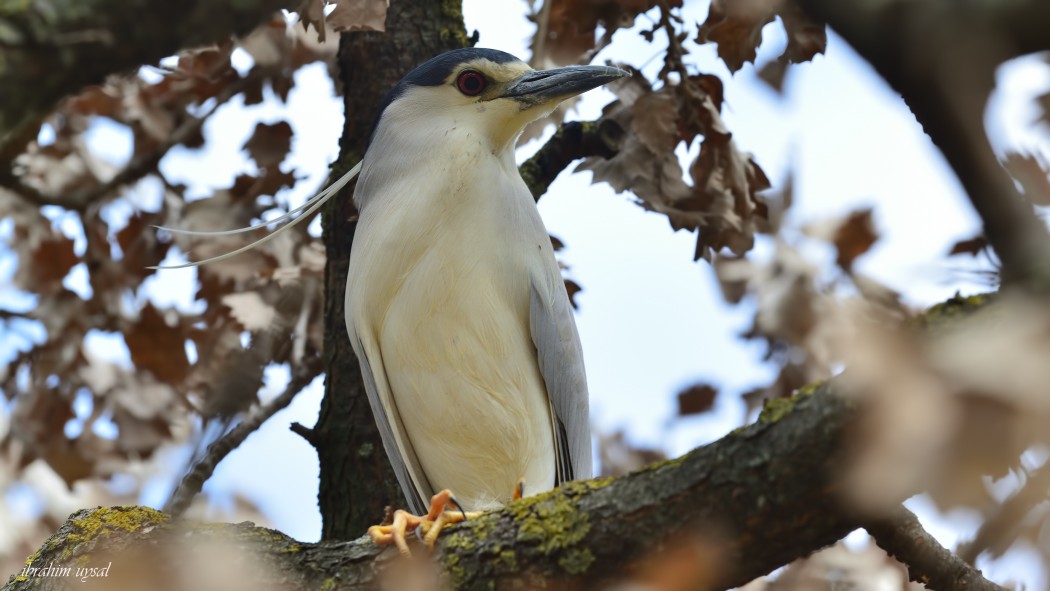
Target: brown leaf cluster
(736,26)
(795,298)
(696,399)
(182,365)
(945,408)
(948,407)
(949,401)
(722,204)
(789,303)
(566,29)
(347,15)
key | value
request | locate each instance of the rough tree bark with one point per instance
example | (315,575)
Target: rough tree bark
(741,506)
(356,479)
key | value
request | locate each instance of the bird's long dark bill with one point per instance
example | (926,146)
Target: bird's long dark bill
(541,86)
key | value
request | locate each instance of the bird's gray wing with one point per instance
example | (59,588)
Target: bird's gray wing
(410,476)
(561,364)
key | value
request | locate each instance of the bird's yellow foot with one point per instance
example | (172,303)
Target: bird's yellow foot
(444,510)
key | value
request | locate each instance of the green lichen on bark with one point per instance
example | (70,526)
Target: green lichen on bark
(949,312)
(455,32)
(545,537)
(464,537)
(103,521)
(552,524)
(88,528)
(572,141)
(776,409)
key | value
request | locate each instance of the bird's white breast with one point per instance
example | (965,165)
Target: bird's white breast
(440,279)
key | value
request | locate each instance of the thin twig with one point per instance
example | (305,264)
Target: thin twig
(603,42)
(572,141)
(194,480)
(674,58)
(542,31)
(138,167)
(902,536)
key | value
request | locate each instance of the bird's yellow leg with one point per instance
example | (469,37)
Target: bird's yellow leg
(444,511)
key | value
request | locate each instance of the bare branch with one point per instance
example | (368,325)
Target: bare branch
(193,482)
(757,499)
(572,141)
(903,537)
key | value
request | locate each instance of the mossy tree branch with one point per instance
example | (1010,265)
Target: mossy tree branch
(758,498)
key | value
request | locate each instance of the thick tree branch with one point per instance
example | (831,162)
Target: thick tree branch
(757,499)
(572,141)
(53,49)
(941,55)
(902,536)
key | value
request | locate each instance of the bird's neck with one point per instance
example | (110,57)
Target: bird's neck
(440,145)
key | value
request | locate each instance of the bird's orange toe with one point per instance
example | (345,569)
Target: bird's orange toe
(444,511)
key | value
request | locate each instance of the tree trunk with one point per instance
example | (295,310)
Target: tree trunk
(356,479)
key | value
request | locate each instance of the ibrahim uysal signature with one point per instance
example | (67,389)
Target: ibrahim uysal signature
(81,572)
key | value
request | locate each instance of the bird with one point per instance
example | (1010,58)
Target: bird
(455,305)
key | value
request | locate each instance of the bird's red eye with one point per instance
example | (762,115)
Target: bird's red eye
(471,83)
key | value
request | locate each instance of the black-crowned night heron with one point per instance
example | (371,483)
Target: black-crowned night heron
(455,304)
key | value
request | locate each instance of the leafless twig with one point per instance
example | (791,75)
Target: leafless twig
(572,141)
(194,480)
(902,536)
